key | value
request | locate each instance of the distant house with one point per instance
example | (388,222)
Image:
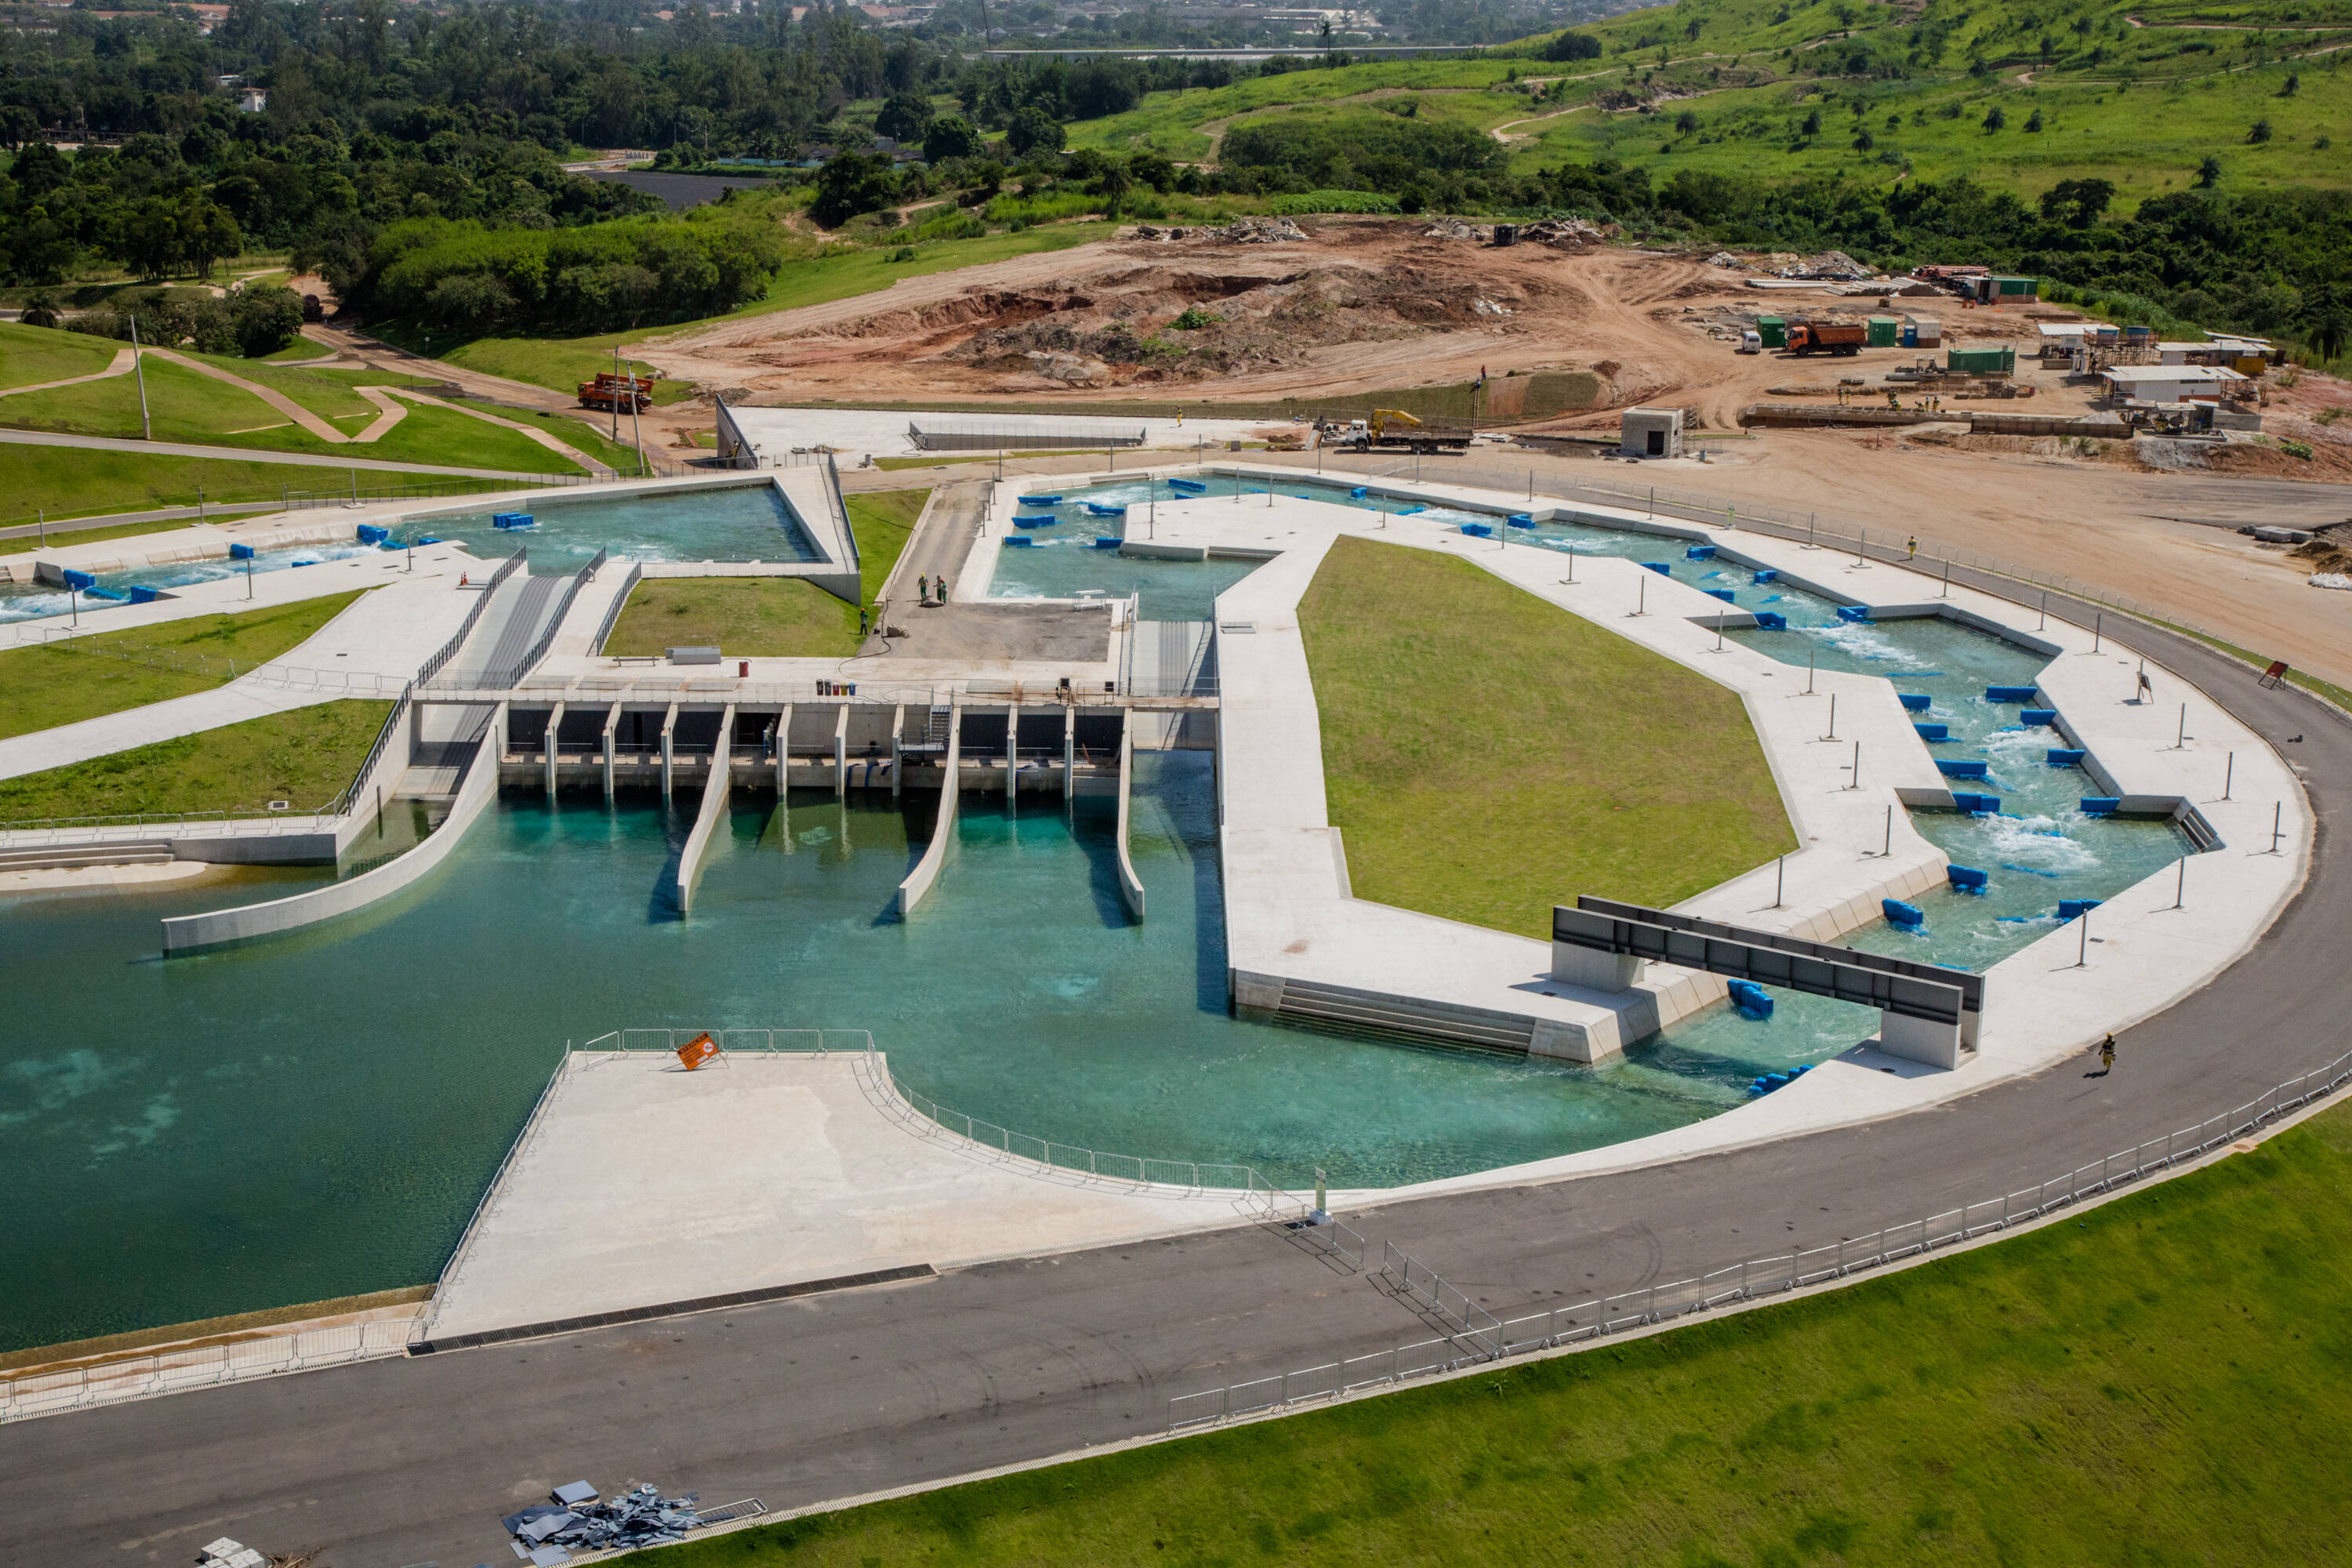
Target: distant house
(253,99)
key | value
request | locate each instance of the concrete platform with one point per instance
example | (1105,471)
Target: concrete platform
(640,1183)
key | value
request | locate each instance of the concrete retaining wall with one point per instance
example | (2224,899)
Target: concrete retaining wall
(715,790)
(926,874)
(1130,885)
(226,928)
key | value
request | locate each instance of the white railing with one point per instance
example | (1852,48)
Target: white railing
(174,1369)
(1471,1342)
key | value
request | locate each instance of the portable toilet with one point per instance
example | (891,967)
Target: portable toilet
(1884,332)
(1773,330)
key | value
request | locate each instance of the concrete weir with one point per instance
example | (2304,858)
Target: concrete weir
(716,787)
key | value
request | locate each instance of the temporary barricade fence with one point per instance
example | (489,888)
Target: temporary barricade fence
(172,1370)
(1471,1342)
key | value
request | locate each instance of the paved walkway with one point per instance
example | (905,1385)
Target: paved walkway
(119,365)
(391,411)
(544,437)
(246,455)
(309,422)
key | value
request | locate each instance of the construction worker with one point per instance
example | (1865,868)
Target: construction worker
(923,587)
(1911,548)
(2106,1055)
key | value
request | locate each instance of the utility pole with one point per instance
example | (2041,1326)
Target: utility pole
(146,430)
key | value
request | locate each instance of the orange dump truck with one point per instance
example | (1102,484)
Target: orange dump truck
(1827,337)
(628,394)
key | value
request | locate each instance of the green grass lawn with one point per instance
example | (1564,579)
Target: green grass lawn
(64,683)
(183,405)
(1489,756)
(2159,1381)
(582,434)
(308,756)
(76,483)
(769,617)
(62,533)
(33,354)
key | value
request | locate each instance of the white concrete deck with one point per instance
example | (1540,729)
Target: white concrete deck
(642,1184)
(778,433)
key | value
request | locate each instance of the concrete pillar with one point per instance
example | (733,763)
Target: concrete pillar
(669,728)
(1574,965)
(1919,1040)
(1013,752)
(783,754)
(612,721)
(554,722)
(841,752)
(897,750)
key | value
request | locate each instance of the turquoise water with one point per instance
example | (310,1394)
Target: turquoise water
(33,602)
(316,1116)
(725,522)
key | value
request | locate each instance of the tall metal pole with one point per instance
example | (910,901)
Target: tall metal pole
(636,427)
(139,368)
(617,408)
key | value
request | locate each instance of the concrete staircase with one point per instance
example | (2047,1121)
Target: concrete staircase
(1401,1018)
(65,856)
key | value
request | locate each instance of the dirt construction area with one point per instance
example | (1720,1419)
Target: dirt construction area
(1267,309)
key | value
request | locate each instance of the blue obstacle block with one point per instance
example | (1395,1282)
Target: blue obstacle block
(1660,567)
(240,552)
(1521,520)
(2064,757)
(1358,493)
(1934,731)
(1723,594)
(1910,917)
(1854,614)
(1771,621)
(1973,803)
(1107,542)
(2009,694)
(1096,508)
(1041,501)
(1407,511)
(1479,529)
(1766,574)
(1188,487)
(1040,520)
(81,580)
(2042,717)
(1966,878)
(1914,701)
(1962,770)
(2100,805)
(1752,1000)
(2075,909)
(145,595)
(373,533)
(1020,541)
(1699,552)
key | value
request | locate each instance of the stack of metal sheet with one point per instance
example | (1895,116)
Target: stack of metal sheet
(577,1521)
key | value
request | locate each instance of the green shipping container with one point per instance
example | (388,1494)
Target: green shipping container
(1983,362)
(1773,330)
(1885,332)
(2022,287)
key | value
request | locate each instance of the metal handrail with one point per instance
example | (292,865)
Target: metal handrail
(613,611)
(1592,1317)
(345,802)
(537,651)
(840,508)
(448,650)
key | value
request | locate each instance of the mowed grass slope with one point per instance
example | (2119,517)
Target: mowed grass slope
(79,482)
(2159,1381)
(30,356)
(307,756)
(64,683)
(1489,756)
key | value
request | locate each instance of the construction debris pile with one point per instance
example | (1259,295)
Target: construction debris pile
(1830,266)
(1568,233)
(227,1553)
(549,1532)
(1256,231)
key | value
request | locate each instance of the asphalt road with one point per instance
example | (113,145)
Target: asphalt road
(400,1462)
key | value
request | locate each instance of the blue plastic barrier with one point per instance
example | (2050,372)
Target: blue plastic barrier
(2031,717)
(512,520)
(1042,500)
(302,564)
(1699,552)
(1521,520)
(1771,621)
(1772,1081)
(1477,530)
(1020,541)
(1911,917)
(374,533)
(1407,511)
(114,596)
(2063,757)
(1916,701)
(1038,519)
(2075,909)
(2009,694)
(1934,731)
(1660,567)
(427,540)
(1972,770)
(1972,803)
(1358,493)
(1766,574)
(1188,487)
(145,595)
(79,579)
(2100,805)
(240,552)
(1854,614)
(1752,1000)
(1096,508)
(1966,878)
(1723,594)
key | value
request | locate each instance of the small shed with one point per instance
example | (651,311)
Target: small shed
(1651,433)
(1922,332)
(1773,330)
(1885,332)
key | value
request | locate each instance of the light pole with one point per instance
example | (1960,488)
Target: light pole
(139,368)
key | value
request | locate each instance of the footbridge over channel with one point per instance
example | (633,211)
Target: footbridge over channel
(1927,1012)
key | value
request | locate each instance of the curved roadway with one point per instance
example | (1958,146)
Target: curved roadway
(404,1461)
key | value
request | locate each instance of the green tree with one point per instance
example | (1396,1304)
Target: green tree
(852,184)
(266,317)
(2259,132)
(2209,173)
(905,117)
(1994,120)
(1033,130)
(950,136)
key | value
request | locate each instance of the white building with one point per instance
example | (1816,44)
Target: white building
(2172,383)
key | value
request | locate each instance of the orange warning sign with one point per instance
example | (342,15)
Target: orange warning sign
(696,1051)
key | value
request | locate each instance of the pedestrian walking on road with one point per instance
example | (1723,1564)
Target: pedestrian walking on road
(923,587)
(1911,548)
(2106,1055)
